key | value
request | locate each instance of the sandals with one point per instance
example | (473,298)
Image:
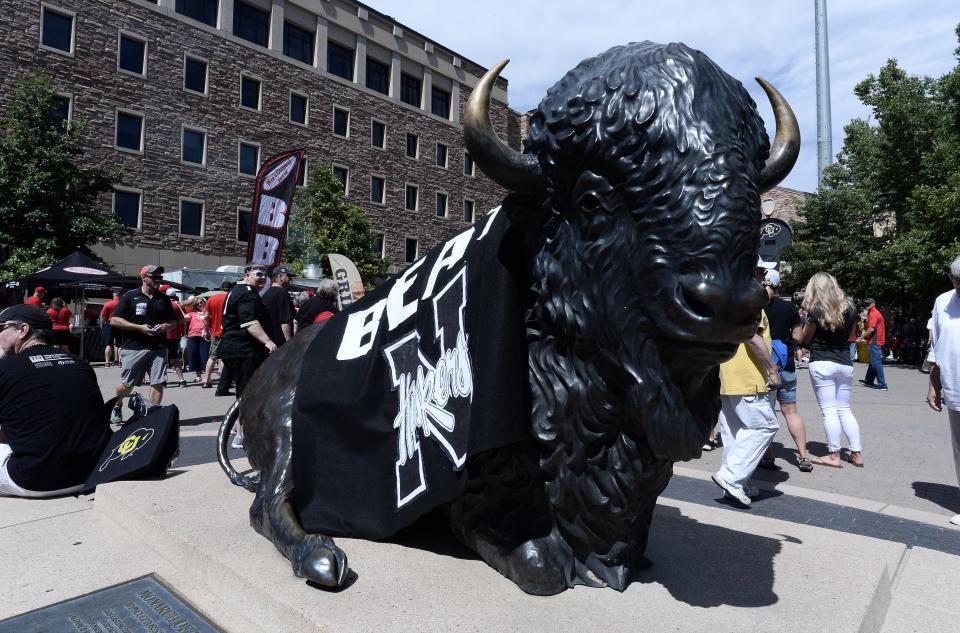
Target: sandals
(206,385)
(850,459)
(804,465)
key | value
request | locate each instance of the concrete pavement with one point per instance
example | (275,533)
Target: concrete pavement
(821,549)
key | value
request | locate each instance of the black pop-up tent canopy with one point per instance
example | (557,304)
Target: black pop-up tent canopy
(73,268)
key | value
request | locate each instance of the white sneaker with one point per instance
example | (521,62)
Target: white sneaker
(237,442)
(736,491)
(956,519)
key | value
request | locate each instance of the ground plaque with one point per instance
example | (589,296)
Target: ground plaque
(143,604)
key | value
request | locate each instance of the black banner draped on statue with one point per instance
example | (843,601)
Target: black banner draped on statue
(400,388)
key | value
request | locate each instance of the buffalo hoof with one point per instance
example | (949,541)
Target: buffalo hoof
(321,561)
(539,566)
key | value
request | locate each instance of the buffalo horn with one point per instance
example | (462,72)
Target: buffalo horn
(508,168)
(786,144)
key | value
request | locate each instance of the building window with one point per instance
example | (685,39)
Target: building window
(299,107)
(377,187)
(298,43)
(468,169)
(250,92)
(200,10)
(61,111)
(191,217)
(340,60)
(341,122)
(378,76)
(250,23)
(248,159)
(410,250)
(440,102)
(413,145)
(129,131)
(441,205)
(343,175)
(126,207)
(468,212)
(441,155)
(132,55)
(194,146)
(56,30)
(377,246)
(378,134)
(243,224)
(195,75)
(302,174)
(412,197)
(410,89)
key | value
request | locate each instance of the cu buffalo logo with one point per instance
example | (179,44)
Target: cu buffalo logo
(130,445)
(770,229)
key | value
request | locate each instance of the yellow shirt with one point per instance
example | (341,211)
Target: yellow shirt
(742,375)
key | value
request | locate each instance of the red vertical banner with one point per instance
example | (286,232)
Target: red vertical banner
(272,200)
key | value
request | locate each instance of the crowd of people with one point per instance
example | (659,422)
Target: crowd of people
(828,327)
(48,445)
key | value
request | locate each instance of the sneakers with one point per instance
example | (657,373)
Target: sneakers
(883,388)
(237,442)
(712,444)
(805,465)
(736,491)
(116,417)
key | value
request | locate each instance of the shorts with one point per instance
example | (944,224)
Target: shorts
(109,336)
(62,337)
(787,393)
(214,347)
(135,363)
(9,488)
(173,349)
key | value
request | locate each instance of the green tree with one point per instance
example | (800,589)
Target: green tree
(323,222)
(47,202)
(899,171)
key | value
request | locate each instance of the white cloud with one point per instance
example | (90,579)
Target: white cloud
(770,38)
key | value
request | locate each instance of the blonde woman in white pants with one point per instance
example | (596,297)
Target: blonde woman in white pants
(831,317)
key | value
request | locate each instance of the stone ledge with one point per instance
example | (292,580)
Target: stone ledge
(713,570)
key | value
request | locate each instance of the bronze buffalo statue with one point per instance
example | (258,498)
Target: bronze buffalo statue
(633,231)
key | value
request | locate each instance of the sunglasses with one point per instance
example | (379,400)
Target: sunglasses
(258,273)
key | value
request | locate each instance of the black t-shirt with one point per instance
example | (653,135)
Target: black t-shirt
(314,307)
(138,308)
(243,306)
(280,306)
(51,412)
(833,345)
(783,317)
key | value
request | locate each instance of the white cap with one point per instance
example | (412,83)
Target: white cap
(171,292)
(773,277)
(764,264)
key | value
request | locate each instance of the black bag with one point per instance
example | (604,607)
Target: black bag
(142,449)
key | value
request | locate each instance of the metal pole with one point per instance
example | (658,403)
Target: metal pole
(824,129)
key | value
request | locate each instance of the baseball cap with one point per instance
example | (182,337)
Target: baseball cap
(765,265)
(773,277)
(170,292)
(24,313)
(282,270)
(149,270)
(39,289)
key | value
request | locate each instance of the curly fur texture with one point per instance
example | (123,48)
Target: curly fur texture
(651,153)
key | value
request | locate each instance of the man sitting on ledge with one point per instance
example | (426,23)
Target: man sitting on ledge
(53,426)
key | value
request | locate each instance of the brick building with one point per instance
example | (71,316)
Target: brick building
(189,97)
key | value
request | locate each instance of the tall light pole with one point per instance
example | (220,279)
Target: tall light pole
(824,133)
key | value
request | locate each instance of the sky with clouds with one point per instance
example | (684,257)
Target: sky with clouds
(770,38)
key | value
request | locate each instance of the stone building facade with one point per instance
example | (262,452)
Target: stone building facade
(218,93)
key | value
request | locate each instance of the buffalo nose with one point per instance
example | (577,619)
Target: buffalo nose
(719,308)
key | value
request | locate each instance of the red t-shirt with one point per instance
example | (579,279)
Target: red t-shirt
(177,330)
(214,311)
(33,300)
(875,321)
(60,318)
(108,309)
